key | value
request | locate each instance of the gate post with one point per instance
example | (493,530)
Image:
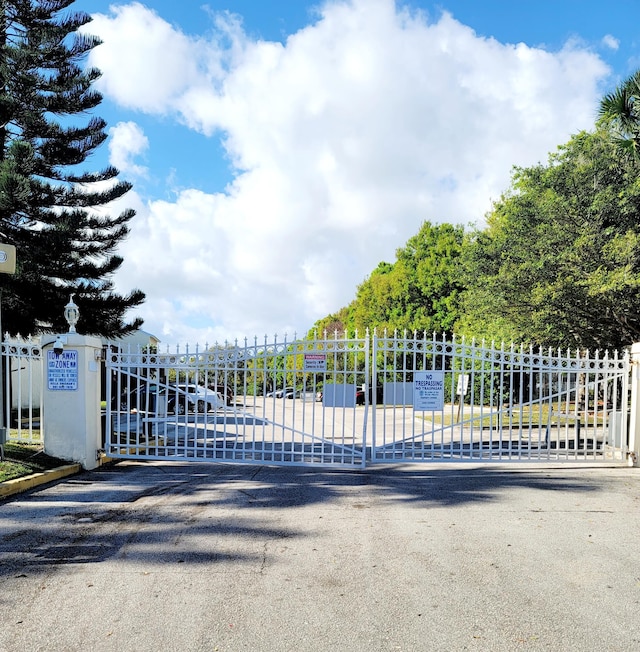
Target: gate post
(634,422)
(71,398)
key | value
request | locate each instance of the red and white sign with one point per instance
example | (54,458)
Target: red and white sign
(315,362)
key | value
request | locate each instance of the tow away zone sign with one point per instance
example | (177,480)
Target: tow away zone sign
(62,371)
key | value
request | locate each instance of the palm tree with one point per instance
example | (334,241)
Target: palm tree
(620,110)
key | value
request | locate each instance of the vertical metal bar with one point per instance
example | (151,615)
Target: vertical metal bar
(501,400)
(370,371)
(627,448)
(435,361)
(529,401)
(325,376)
(634,427)
(494,406)
(5,366)
(520,365)
(403,376)
(596,414)
(14,385)
(537,378)
(463,420)
(481,397)
(108,394)
(472,396)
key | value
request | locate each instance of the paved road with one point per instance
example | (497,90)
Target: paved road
(179,557)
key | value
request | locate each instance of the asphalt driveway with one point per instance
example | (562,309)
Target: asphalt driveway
(168,556)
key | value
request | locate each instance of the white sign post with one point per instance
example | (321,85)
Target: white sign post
(461,391)
(463,385)
(7,266)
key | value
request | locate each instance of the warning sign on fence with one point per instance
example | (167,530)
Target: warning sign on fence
(428,390)
(315,362)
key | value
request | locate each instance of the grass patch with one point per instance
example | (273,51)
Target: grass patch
(25,459)
(537,415)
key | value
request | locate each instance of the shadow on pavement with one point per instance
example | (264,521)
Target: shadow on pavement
(158,513)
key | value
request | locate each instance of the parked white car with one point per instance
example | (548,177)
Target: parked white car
(279,393)
(191,398)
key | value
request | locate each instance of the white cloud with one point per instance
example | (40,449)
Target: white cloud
(344,140)
(611,42)
(145,61)
(126,141)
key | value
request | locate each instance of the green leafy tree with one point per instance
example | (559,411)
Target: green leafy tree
(333,325)
(559,263)
(50,206)
(420,291)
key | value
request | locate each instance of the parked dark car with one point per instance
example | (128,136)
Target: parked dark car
(225,391)
(360,395)
(140,399)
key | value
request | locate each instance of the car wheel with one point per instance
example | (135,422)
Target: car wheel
(202,406)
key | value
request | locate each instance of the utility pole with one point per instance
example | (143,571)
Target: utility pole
(7,266)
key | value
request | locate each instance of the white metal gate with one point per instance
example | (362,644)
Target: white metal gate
(500,404)
(345,401)
(273,402)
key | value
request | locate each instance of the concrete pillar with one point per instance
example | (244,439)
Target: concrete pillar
(71,398)
(634,421)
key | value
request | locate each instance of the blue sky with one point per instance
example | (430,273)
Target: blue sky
(280,150)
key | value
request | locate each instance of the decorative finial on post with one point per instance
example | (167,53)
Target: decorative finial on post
(71,314)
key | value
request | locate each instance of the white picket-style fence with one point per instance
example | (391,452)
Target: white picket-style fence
(22,377)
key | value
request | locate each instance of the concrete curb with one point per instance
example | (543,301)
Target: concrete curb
(18,485)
